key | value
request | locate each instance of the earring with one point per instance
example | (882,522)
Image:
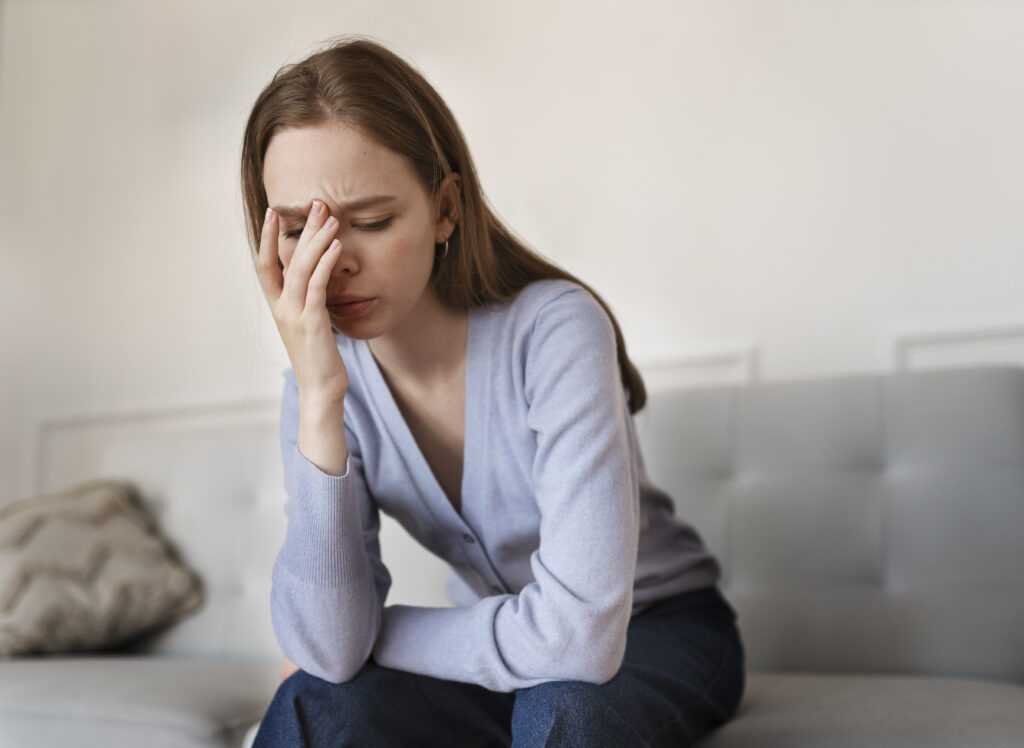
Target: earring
(445,253)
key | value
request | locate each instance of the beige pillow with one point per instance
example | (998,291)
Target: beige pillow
(86,569)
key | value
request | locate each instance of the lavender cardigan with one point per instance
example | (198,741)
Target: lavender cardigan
(561,537)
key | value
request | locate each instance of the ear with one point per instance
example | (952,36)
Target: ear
(448,203)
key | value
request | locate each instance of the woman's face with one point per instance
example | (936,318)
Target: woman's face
(388,223)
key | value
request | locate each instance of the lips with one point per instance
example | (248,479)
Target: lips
(350,306)
(347,299)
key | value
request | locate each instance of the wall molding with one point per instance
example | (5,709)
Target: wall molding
(51,427)
(725,365)
(957,347)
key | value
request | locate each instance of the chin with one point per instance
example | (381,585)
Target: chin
(356,329)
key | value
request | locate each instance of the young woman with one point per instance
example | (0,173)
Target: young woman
(444,373)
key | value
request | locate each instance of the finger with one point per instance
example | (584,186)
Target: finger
(301,269)
(318,216)
(267,267)
(316,295)
(305,260)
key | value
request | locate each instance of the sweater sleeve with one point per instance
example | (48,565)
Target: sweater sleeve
(328,583)
(570,622)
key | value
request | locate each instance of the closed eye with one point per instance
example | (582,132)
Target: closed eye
(370,226)
(373,225)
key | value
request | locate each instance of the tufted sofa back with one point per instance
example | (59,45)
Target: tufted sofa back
(864,523)
(213,477)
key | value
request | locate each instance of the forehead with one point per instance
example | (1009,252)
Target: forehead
(335,162)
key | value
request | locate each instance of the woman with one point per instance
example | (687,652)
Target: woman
(447,375)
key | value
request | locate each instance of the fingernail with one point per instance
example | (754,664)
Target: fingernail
(316,207)
(266,218)
(329,223)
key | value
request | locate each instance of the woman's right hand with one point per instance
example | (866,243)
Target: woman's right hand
(298,303)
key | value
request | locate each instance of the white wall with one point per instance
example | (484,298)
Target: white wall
(804,187)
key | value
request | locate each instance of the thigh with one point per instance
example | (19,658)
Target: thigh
(384,707)
(682,676)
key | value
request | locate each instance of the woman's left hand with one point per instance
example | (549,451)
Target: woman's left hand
(287,669)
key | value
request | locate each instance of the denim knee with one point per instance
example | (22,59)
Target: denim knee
(383,707)
(358,700)
(569,713)
(308,711)
(571,699)
(302,686)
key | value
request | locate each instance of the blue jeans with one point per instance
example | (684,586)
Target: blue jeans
(682,676)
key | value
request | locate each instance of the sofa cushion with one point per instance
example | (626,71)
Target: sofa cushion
(865,523)
(86,569)
(795,710)
(113,701)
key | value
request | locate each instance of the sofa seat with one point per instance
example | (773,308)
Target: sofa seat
(112,701)
(798,710)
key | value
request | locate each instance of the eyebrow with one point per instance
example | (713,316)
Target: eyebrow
(372,201)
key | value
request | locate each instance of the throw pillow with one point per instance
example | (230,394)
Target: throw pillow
(86,569)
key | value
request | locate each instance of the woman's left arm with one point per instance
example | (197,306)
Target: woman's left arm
(570,622)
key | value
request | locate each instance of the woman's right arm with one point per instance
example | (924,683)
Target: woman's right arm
(328,582)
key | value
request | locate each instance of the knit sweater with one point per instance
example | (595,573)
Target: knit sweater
(561,537)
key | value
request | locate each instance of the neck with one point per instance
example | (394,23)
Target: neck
(427,347)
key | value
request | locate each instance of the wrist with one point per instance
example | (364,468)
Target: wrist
(327,391)
(321,438)
(321,408)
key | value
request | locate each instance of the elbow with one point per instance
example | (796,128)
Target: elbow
(605,670)
(602,645)
(598,669)
(594,657)
(332,664)
(325,651)
(335,665)
(336,671)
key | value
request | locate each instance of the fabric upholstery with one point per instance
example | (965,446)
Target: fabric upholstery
(868,527)
(216,486)
(86,569)
(801,710)
(157,702)
(865,523)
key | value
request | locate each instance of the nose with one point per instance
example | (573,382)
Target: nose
(346,263)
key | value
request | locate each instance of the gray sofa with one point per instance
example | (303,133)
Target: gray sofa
(872,533)
(871,530)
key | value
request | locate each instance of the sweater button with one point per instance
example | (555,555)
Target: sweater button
(497,590)
(468,538)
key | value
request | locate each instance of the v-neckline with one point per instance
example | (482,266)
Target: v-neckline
(399,427)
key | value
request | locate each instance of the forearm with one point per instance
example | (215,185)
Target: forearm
(327,585)
(509,642)
(321,437)
(328,632)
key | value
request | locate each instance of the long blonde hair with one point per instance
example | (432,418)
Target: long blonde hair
(363,84)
